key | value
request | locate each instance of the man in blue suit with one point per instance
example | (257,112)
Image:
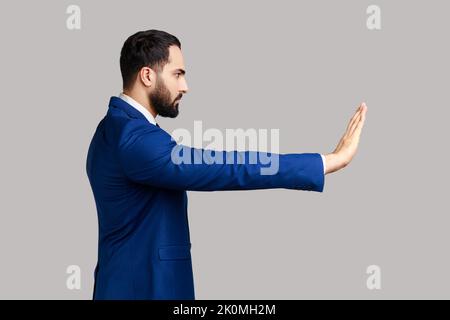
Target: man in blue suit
(140,191)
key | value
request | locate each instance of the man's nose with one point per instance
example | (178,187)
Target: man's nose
(184,87)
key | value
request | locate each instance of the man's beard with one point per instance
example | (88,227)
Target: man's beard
(160,100)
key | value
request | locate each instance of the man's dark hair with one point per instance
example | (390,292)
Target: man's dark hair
(145,49)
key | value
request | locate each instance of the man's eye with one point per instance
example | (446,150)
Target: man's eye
(177,74)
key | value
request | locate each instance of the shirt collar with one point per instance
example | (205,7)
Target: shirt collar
(139,107)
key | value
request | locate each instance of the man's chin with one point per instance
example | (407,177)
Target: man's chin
(172,114)
(176,111)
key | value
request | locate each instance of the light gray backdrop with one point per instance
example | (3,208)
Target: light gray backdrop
(300,66)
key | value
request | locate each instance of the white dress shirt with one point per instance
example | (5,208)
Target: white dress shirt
(152,120)
(324,163)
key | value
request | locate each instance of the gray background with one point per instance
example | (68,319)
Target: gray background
(300,66)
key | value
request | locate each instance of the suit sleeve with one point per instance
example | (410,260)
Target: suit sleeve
(152,157)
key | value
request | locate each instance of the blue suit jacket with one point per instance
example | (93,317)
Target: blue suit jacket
(144,249)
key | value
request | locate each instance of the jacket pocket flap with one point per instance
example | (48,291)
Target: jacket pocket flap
(175,252)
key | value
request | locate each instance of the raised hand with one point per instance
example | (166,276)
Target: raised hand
(347,146)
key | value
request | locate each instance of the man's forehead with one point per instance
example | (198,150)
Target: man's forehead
(176,60)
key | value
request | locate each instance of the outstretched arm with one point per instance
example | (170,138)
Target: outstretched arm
(147,157)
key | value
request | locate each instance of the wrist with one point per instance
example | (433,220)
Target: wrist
(334,162)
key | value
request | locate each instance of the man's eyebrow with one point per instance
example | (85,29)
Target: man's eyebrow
(182,71)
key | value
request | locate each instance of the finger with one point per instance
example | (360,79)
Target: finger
(352,120)
(361,122)
(363,119)
(358,119)
(354,125)
(353,117)
(348,130)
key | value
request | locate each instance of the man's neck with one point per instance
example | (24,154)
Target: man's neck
(142,100)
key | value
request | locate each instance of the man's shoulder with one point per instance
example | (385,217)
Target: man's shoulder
(127,130)
(120,120)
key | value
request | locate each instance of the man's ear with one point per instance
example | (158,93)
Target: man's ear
(147,76)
